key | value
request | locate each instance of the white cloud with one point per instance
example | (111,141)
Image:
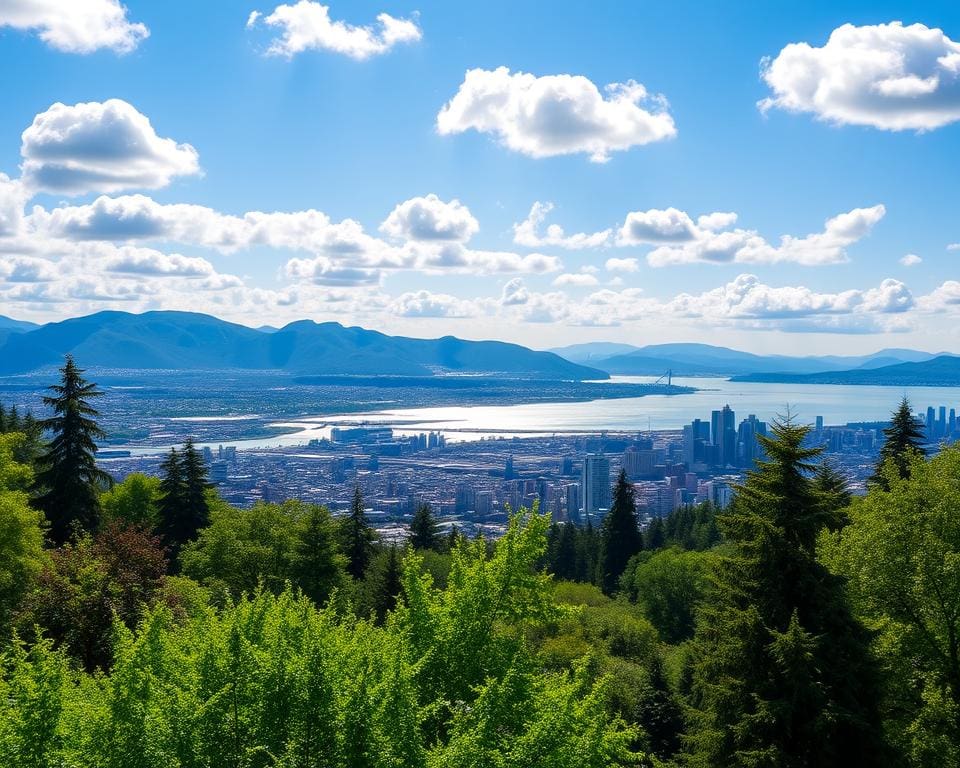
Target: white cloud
(953,247)
(527,232)
(426,304)
(457,257)
(514,292)
(580,280)
(26,269)
(75,26)
(657,226)
(13,197)
(717,220)
(146,261)
(745,246)
(430,218)
(556,114)
(911,260)
(323,271)
(307,25)
(945,297)
(103,147)
(622,265)
(887,76)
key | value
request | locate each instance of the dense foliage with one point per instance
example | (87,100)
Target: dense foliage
(152,624)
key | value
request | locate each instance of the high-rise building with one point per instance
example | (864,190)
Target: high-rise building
(595,483)
(572,500)
(748,443)
(696,435)
(931,423)
(723,434)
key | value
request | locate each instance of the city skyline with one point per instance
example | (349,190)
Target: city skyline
(424,169)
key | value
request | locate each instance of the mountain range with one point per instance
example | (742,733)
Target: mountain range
(708,360)
(942,371)
(192,341)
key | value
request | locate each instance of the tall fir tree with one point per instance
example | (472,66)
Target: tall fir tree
(423,529)
(781,671)
(655,536)
(357,537)
(69,481)
(318,567)
(903,438)
(620,537)
(183,507)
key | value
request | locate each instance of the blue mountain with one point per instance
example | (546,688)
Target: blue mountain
(192,341)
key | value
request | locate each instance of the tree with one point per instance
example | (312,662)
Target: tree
(21,530)
(563,558)
(357,537)
(183,507)
(318,566)
(382,584)
(69,481)
(620,538)
(423,529)
(901,554)
(134,501)
(655,536)
(904,438)
(782,674)
(669,585)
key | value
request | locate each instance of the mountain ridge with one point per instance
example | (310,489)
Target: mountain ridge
(191,340)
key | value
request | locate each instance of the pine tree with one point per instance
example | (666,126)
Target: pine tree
(656,537)
(782,675)
(357,537)
(183,505)
(69,481)
(318,567)
(385,582)
(564,565)
(423,529)
(196,508)
(903,439)
(620,538)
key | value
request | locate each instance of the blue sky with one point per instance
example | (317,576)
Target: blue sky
(419,174)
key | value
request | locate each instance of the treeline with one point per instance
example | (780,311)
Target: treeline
(149,623)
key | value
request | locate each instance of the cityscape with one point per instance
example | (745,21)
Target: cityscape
(474,484)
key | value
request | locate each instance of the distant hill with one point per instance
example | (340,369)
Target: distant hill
(191,341)
(9,326)
(709,360)
(592,350)
(942,371)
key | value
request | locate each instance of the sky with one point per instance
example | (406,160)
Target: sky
(777,179)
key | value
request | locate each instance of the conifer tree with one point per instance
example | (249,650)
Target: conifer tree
(620,538)
(183,505)
(318,567)
(781,672)
(564,565)
(656,537)
(423,529)
(357,537)
(904,438)
(69,481)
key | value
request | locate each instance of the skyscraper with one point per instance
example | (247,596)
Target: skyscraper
(595,483)
(723,434)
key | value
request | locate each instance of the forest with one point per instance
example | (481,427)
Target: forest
(148,623)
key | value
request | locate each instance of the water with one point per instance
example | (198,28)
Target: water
(836,403)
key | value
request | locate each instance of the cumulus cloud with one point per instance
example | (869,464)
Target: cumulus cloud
(13,197)
(577,279)
(146,261)
(457,257)
(745,246)
(556,114)
(622,265)
(426,304)
(307,25)
(887,76)
(953,247)
(100,147)
(945,297)
(911,260)
(323,271)
(26,269)
(527,232)
(75,26)
(430,218)
(514,292)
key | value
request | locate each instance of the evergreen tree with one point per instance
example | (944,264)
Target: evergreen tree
(782,675)
(196,507)
(423,529)
(318,566)
(904,438)
(171,503)
(564,561)
(656,536)
(357,537)
(383,583)
(620,537)
(69,481)
(588,553)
